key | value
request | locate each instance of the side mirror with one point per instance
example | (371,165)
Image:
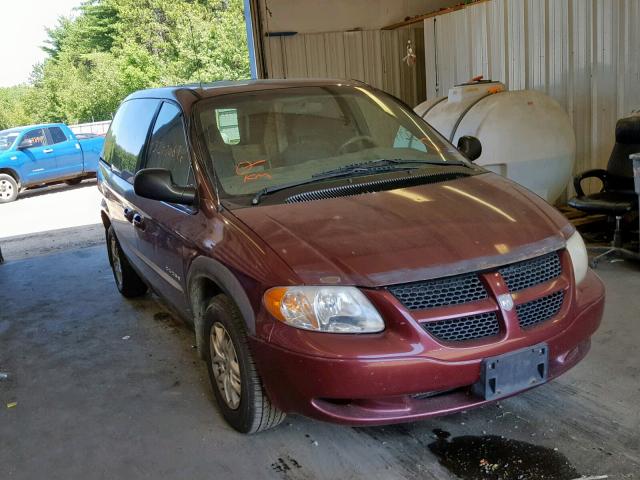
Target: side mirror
(25,144)
(157,184)
(470,147)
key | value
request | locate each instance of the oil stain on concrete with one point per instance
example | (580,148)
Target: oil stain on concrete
(491,457)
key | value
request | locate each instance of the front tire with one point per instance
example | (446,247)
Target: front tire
(236,384)
(8,188)
(127,280)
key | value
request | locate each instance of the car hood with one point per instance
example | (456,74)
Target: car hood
(410,234)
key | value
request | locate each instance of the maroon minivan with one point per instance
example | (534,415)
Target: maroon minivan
(336,256)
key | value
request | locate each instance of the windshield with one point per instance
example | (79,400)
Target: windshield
(267,138)
(7,139)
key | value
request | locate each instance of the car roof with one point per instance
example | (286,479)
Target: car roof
(29,127)
(12,130)
(208,90)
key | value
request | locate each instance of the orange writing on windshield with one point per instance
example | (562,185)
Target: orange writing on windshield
(246,167)
(251,177)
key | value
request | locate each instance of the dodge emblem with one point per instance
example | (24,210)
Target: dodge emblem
(506,301)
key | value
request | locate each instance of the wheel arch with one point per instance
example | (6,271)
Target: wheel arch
(207,278)
(104,216)
(13,173)
(105,220)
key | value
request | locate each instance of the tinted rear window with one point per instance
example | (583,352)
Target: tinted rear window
(124,143)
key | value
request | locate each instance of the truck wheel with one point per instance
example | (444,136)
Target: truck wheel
(8,188)
(234,378)
(127,280)
(73,181)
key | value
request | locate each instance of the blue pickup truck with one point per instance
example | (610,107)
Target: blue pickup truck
(38,155)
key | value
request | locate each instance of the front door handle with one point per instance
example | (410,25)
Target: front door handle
(47,150)
(128,214)
(138,221)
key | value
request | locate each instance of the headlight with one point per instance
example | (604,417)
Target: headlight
(324,309)
(579,259)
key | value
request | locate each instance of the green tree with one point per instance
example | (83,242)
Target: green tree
(111,48)
(12,106)
(93,30)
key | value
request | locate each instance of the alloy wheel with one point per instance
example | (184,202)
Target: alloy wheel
(225,365)
(115,260)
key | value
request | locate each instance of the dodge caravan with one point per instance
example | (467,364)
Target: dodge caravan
(335,256)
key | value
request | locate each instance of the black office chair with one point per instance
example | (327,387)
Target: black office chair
(617,196)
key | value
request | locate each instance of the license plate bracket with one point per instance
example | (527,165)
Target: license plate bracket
(503,375)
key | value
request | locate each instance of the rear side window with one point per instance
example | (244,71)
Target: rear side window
(168,146)
(126,138)
(57,135)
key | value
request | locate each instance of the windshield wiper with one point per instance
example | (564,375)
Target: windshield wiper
(369,167)
(376,165)
(314,178)
(338,172)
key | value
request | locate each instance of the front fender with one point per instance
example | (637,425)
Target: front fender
(11,163)
(214,271)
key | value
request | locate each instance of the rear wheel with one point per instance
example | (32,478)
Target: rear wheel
(8,188)
(234,378)
(127,280)
(73,181)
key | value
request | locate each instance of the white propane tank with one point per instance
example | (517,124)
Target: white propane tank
(525,135)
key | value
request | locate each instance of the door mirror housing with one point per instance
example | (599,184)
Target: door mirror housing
(157,184)
(470,147)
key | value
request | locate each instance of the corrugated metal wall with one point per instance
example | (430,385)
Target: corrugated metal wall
(373,56)
(584,53)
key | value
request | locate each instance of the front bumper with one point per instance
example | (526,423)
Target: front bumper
(393,377)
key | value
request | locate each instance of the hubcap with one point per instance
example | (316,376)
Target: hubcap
(225,366)
(115,260)
(6,189)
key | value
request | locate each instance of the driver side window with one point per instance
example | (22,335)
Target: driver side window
(36,137)
(168,146)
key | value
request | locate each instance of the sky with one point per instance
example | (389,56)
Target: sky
(22,33)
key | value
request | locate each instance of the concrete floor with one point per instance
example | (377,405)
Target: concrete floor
(51,219)
(110,388)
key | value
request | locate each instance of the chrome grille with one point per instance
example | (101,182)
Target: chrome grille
(440,292)
(464,328)
(528,273)
(540,310)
